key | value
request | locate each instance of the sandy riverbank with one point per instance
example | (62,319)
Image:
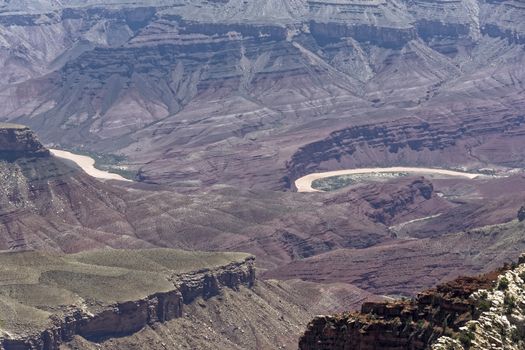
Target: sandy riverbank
(304,184)
(88,165)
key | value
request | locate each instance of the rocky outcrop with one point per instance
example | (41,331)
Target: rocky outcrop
(129,317)
(121,319)
(18,141)
(206,283)
(391,38)
(387,203)
(501,323)
(521,214)
(401,324)
(386,208)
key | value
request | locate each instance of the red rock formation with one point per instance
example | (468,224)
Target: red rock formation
(407,142)
(401,324)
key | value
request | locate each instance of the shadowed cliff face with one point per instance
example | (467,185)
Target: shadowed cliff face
(17,141)
(221,92)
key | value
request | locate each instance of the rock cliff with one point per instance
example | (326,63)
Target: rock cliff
(18,141)
(501,322)
(410,142)
(102,310)
(413,324)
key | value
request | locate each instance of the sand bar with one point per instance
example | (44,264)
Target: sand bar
(88,165)
(304,184)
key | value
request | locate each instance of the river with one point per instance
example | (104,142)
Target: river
(88,165)
(304,184)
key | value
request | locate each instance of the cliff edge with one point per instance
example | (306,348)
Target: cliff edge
(18,141)
(47,299)
(479,312)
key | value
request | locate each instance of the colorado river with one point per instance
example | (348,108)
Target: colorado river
(304,184)
(88,165)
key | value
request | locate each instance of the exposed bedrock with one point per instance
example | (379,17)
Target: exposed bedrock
(387,207)
(38,198)
(409,142)
(126,318)
(391,202)
(401,324)
(18,141)
(392,38)
(208,283)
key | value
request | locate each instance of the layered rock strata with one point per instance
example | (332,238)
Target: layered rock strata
(410,140)
(414,324)
(205,92)
(18,141)
(501,325)
(94,319)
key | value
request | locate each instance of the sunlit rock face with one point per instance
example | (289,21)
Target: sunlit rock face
(228,91)
(481,312)
(501,324)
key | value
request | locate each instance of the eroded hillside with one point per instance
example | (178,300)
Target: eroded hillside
(376,229)
(198,93)
(215,108)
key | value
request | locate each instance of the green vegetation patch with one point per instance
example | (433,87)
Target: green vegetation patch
(335,183)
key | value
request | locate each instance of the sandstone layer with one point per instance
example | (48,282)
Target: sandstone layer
(47,300)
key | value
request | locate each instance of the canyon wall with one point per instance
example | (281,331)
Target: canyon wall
(404,324)
(19,141)
(408,142)
(129,317)
(198,93)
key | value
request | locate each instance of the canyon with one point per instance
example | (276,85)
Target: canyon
(306,242)
(217,111)
(195,94)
